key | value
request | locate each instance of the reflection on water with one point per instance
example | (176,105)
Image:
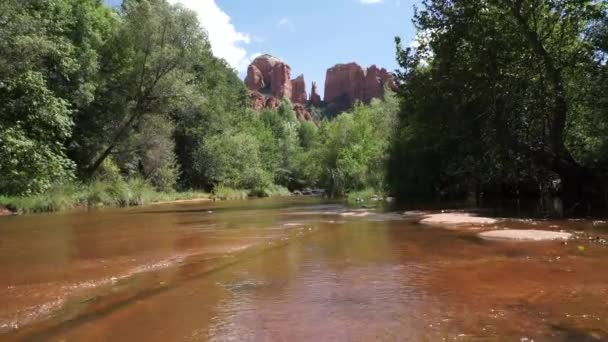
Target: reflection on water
(292,270)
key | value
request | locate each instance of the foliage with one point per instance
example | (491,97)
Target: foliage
(93,195)
(233,160)
(495,100)
(47,67)
(226,193)
(353,148)
(104,106)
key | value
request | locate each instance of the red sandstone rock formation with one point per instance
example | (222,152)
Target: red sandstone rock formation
(255,79)
(346,84)
(261,67)
(269,81)
(272,103)
(315,98)
(298,94)
(269,76)
(258,101)
(375,79)
(280,84)
(301,113)
(343,86)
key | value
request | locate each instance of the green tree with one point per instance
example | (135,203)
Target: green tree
(495,84)
(48,68)
(221,103)
(149,70)
(232,159)
(353,148)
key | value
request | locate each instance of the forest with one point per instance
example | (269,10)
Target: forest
(119,106)
(505,99)
(496,99)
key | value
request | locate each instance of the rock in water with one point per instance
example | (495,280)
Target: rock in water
(524,235)
(456,220)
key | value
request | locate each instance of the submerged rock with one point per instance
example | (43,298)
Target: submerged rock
(456,220)
(524,235)
(6,212)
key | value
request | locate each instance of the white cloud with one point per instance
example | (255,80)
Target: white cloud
(369,2)
(286,23)
(226,41)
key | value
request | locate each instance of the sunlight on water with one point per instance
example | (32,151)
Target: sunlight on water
(293,269)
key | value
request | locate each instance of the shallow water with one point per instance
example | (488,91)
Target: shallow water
(295,269)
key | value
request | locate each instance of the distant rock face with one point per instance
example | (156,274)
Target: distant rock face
(280,84)
(347,83)
(255,78)
(269,81)
(298,94)
(375,80)
(301,113)
(272,103)
(258,101)
(315,98)
(270,76)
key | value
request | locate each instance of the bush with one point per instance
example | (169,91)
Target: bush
(272,190)
(233,161)
(117,193)
(226,193)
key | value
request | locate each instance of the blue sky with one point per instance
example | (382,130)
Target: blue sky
(310,36)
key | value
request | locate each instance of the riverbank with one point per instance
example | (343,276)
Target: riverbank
(93,195)
(120,193)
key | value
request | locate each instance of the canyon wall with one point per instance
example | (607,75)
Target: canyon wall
(269,81)
(345,84)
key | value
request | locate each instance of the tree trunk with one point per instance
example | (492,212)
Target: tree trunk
(117,138)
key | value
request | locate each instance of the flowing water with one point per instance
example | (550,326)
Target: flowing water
(292,269)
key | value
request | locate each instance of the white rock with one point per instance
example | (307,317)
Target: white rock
(456,219)
(524,235)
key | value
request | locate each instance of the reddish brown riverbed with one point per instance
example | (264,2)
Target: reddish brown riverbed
(284,270)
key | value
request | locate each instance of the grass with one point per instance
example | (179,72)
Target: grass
(96,194)
(226,193)
(271,191)
(120,193)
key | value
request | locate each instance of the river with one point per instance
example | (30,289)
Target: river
(292,269)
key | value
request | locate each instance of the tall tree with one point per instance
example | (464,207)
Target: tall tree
(501,79)
(148,70)
(48,68)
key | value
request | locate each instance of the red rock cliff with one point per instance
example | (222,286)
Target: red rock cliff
(298,94)
(347,83)
(315,98)
(269,81)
